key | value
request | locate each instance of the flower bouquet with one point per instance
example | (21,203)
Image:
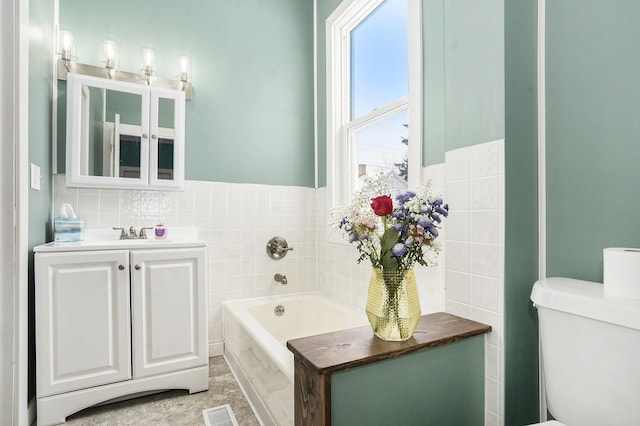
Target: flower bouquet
(394,236)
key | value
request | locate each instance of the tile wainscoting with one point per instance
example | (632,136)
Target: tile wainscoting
(237,220)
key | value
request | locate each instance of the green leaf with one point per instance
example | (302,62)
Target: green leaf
(388,240)
(389,261)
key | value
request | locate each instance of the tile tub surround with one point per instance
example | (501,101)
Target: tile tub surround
(474,187)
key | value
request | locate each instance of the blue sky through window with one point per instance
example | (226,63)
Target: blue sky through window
(379,76)
(379,58)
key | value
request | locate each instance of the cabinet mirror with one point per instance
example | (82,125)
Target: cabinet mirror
(124,135)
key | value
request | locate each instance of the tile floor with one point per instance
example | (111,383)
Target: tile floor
(174,407)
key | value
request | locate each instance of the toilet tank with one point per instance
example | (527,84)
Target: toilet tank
(590,351)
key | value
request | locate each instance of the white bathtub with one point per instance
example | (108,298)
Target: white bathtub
(255,345)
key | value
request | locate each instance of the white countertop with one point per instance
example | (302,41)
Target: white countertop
(107,239)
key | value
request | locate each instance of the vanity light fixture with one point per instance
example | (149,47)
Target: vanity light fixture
(65,47)
(109,56)
(183,70)
(67,63)
(148,63)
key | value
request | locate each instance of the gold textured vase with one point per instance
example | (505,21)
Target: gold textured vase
(393,305)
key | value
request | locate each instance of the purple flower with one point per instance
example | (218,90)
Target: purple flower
(398,250)
(405,196)
(442,211)
(424,222)
(352,237)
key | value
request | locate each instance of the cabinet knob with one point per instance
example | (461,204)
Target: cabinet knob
(138,267)
(121,267)
(153,136)
(144,136)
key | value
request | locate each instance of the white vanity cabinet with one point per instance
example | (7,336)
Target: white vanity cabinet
(111,323)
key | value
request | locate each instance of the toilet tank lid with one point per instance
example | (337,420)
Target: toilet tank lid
(586,299)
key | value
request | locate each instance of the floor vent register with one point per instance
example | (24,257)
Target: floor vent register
(221,415)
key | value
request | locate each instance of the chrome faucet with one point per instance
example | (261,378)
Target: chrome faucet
(282,279)
(123,233)
(133,235)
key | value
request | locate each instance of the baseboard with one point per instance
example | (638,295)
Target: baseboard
(216,349)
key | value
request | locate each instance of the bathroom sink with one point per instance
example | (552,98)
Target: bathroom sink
(132,242)
(104,239)
(127,244)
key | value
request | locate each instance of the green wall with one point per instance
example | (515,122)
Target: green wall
(433,83)
(463,67)
(324,9)
(474,72)
(593,153)
(439,386)
(251,117)
(521,218)
(40,88)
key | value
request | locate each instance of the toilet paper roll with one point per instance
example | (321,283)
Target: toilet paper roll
(621,272)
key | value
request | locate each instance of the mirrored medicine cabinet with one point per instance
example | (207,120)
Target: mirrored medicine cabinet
(124,135)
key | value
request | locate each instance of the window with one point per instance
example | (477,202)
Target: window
(373,94)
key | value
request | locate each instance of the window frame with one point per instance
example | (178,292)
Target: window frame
(340,152)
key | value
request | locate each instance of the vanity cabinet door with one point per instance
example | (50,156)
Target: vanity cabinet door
(83,335)
(169,310)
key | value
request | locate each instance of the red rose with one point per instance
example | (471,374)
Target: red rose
(382,205)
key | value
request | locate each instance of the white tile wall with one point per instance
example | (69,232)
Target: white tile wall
(474,188)
(237,220)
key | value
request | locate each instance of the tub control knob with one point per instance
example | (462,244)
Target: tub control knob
(277,248)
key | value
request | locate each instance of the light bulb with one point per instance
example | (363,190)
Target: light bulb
(183,68)
(148,63)
(65,45)
(148,60)
(109,54)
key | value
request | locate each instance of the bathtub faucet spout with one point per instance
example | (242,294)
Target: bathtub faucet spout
(282,279)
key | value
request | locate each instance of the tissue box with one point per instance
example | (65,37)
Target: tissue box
(68,229)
